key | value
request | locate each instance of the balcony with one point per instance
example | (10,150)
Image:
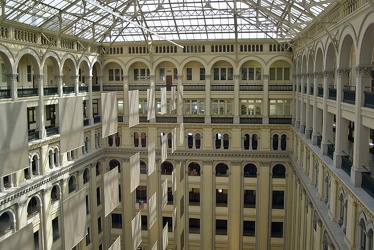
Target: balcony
(346,165)
(52,131)
(68,89)
(251,87)
(367,184)
(320,91)
(369,99)
(280,87)
(27,92)
(332,94)
(50,91)
(222,87)
(349,96)
(194,87)
(33,135)
(4,93)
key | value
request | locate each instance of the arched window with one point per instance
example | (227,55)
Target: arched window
(143,139)
(113,164)
(222,169)
(51,158)
(218,140)
(86,144)
(254,142)
(342,212)
(72,184)
(86,176)
(6,222)
(98,169)
(189,140)
(55,193)
(226,141)
(166,168)
(275,142)
(250,141)
(194,169)
(250,170)
(279,171)
(143,167)
(136,139)
(197,141)
(246,140)
(33,207)
(35,164)
(56,157)
(283,142)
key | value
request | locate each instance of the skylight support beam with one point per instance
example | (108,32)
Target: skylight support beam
(133,23)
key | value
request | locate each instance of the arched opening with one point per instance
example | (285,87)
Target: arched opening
(166,168)
(226,141)
(136,139)
(35,165)
(275,142)
(250,170)
(56,157)
(33,207)
(197,141)
(283,142)
(6,222)
(143,167)
(189,140)
(194,169)
(55,193)
(72,184)
(246,140)
(222,169)
(86,176)
(143,139)
(113,164)
(279,171)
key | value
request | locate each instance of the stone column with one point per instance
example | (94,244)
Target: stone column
(294,97)
(318,237)
(333,198)
(303,79)
(361,133)
(75,82)
(235,206)
(309,111)
(58,80)
(236,100)
(316,119)
(12,85)
(47,218)
(309,226)
(207,206)
(40,113)
(180,100)
(297,102)
(208,117)
(89,112)
(350,235)
(152,85)
(328,77)
(265,100)
(341,127)
(100,82)
(126,99)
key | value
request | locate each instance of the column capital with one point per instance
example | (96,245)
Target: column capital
(318,75)
(364,71)
(180,77)
(340,72)
(126,78)
(266,77)
(207,77)
(11,77)
(74,78)
(152,77)
(310,75)
(236,77)
(39,77)
(328,74)
(58,77)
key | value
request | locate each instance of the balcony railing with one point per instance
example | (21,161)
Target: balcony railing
(27,92)
(349,96)
(33,135)
(280,87)
(68,89)
(52,131)
(222,87)
(97,119)
(95,88)
(346,165)
(226,120)
(166,119)
(4,93)
(320,91)
(280,120)
(50,91)
(332,94)
(140,87)
(194,87)
(143,119)
(367,184)
(249,120)
(83,88)
(369,100)
(113,87)
(251,87)
(194,119)
(330,150)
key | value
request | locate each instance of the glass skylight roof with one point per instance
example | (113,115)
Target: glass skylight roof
(115,21)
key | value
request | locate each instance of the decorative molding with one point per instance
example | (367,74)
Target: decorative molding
(343,72)
(180,77)
(11,77)
(236,77)
(266,77)
(126,78)
(364,71)
(152,77)
(318,75)
(207,77)
(328,74)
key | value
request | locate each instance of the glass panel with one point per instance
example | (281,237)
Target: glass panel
(251,74)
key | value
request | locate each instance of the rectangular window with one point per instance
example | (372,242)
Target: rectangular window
(50,112)
(249,228)
(142,74)
(88,237)
(222,107)
(258,74)
(280,107)
(116,220)
(286,74)
(175,74)
(31,115)
(278,200)
(277,229)
(95,107)
(162,74)
(250,107)
(136,74)
(251,72)
(189,74)
(87,205)
(29,73)
(98,199)
(111,75)
(3,73)
(230,74)
(223,74)
(244,74)
(99,227)
(279,73)
(202,74)
(55,229)
(117,74)
(272,74)
(216,73)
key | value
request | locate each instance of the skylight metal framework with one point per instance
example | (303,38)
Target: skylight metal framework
(172,20)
